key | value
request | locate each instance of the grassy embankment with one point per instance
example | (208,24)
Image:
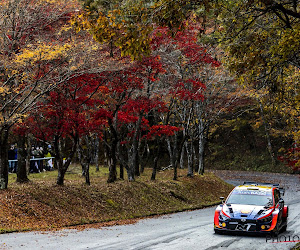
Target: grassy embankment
(40,204)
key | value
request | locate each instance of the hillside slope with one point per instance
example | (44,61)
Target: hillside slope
(40,204)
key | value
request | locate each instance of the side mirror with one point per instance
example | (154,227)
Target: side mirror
(222,199)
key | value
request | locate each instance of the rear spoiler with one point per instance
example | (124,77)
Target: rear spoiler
(282,191)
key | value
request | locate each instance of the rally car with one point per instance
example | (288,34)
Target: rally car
(252,207)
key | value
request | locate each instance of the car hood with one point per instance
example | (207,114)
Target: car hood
(246,211)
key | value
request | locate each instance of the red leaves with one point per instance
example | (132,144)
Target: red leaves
(140,104)
(87,102)
(126,117)
(292,157)
(189,90)
(70,109)
(160,130)
(186,42)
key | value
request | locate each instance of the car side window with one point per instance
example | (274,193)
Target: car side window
(276,196)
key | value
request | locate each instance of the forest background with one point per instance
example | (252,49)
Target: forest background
(143,85)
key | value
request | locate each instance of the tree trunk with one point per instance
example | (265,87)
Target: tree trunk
(135,146)
(143,163)
(4,158)
(178,157)
(63,166)
(97,143)
(172,149)
(87,174)
(112,177)
(81,160)
(182,160)
(130,174)
(137,164)
(203,136)
(22,156)
(85,155)
(154,170)
(155,167)
(190,157)
(28,150)
(201,155)
(133,152)
(60,175)
(59,161)
(121,171)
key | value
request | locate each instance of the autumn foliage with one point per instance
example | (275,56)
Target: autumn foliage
(133,77)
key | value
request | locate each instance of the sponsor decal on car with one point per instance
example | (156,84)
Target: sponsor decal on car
(251,192)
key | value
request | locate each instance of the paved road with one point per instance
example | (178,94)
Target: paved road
(186,231)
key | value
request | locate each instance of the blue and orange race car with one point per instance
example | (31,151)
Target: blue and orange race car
(252,207)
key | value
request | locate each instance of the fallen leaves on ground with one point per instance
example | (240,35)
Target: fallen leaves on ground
(41,205)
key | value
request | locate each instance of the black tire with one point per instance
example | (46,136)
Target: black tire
(275,231)
(284,222)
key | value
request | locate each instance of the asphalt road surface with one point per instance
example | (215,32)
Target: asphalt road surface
(186,231)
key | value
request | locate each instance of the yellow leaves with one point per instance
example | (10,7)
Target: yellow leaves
(80,22)
(2,90)
(65,28)
(47,1)
(289,42)
(72,3)
(125,27)
(43,53)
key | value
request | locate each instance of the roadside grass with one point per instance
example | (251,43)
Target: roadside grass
(41,204)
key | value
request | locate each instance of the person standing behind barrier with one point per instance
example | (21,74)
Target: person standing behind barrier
(49,163)
(34,168)
(40,154)
(11,157)
(16,159)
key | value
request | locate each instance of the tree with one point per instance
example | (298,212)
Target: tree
(261,41)
(127,102)
(67,113)
(128,25)
(191,70)
(31,61)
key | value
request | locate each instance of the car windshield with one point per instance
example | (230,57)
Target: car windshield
(251,197)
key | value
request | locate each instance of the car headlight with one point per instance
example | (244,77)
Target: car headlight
(223,217)
(267,213)
(267,219)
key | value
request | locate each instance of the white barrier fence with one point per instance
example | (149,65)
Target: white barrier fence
(36,159)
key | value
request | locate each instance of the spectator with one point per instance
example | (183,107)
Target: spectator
(16,159)
(49,162)
(34,168)
(40,154)
(11,158)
